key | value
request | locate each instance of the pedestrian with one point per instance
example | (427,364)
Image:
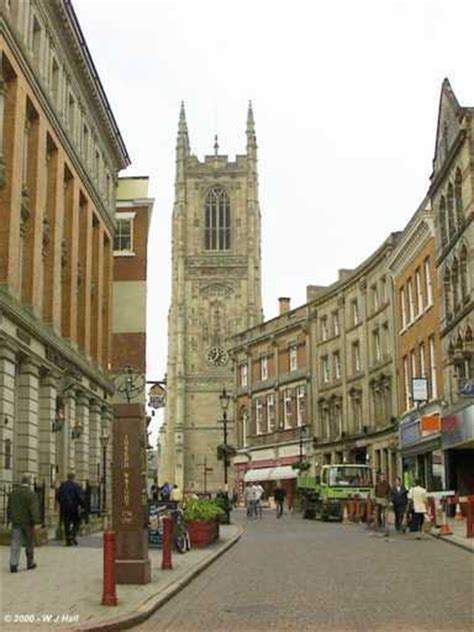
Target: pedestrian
(258,499)
(154,493)
(399,498)
(279,494)
(22,514)
(417,495)
(382,498)
(165,491)
(71,504)
(176,496)
(250,500)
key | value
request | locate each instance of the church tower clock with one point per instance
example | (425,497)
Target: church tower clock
(216,292)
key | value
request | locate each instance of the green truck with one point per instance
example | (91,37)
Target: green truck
(322,496)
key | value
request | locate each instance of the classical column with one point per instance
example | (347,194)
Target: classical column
(69,442)
(3,90)
(106,430)
(48,390)
(81,434)
(84,276)
(7,412)
(26,422)
(95,461)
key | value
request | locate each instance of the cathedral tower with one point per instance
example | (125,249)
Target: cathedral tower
(215,294)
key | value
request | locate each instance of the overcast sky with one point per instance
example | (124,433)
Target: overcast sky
(345,96)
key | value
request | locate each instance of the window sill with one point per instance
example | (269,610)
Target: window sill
(124,253)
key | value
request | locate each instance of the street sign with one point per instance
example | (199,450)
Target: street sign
(419,389)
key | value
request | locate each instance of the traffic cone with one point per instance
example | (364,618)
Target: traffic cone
(458,515)
(445,529)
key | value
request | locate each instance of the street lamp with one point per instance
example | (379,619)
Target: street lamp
(104,440)
(224,398)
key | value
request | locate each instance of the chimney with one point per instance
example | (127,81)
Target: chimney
(284,305)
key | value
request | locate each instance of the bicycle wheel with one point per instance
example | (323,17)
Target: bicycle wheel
(180,543)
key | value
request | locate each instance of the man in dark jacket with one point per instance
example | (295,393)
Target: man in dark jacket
(399,498)
(71,501)
(279,494)
(22,514)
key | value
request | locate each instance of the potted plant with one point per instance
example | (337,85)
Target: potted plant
(201,516)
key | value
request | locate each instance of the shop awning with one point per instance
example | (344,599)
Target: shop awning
(278,473)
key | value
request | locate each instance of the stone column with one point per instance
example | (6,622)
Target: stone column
(26,423)
(7,413)
(69,443)
(82,442)
(48,391)
(106,428)
(95,461)
(3,89)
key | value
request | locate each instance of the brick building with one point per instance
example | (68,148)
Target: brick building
(417,331)
(60,152)
(272,385)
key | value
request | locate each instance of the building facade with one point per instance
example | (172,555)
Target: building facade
(452,199)
(418,358)
(272,386)
(215,293)
(353,365)
(60,152)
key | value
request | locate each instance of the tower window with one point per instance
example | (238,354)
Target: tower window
(217,231)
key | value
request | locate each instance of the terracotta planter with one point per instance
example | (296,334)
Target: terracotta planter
(202,532)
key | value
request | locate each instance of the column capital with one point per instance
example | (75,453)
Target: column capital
(95,406)
(82,399)
(29,365)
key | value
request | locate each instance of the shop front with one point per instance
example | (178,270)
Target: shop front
(457,439)
(421,453)
(268,473)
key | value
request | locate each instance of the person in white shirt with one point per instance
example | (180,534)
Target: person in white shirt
(251,500)
(258,495)
(417,495)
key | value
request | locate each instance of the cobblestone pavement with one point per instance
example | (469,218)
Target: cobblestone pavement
(293,574)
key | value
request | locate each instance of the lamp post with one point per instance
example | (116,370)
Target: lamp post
(104,440)
(224,398)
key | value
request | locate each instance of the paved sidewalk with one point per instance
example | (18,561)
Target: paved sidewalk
(458,527)
(65,591)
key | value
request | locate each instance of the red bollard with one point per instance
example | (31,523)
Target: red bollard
(470,517)
(109,596)
(167,532)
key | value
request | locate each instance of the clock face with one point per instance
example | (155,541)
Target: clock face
(217,356)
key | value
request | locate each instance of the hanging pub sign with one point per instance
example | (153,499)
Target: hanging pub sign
(419,389)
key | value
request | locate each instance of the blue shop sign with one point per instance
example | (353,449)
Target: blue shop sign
(466,387)
(458,428)
(409,432)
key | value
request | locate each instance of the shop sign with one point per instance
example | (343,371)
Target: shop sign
(466,387)
(458,428)
(430,423)
(409,432)
(419,389)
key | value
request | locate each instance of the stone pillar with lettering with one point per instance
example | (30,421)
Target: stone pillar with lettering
(129,506)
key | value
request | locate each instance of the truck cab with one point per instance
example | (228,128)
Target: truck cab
(323,495)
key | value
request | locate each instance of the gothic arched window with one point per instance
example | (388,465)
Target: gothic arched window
(458,196)
(450,204)
(217,231)
(454,284)
(463,276)
(447,294)
(442,221)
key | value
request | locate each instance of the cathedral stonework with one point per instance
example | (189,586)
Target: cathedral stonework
(216,292)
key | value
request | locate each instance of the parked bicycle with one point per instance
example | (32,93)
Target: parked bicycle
(181,539)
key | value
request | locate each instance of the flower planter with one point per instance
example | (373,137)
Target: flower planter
(202,532)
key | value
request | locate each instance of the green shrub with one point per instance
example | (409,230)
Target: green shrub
(202,509)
